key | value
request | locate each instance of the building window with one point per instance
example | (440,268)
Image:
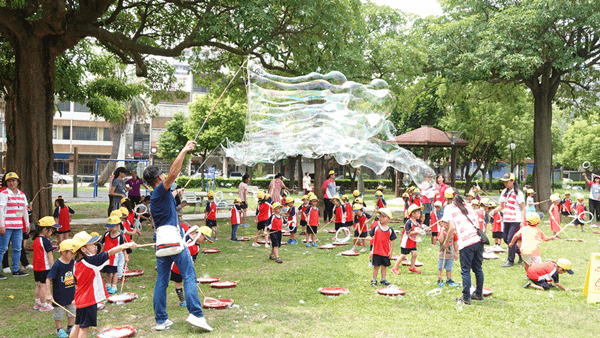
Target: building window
(85,133)
(66,133)
(106,134)
(64,106)
(199,89)
(55,132)
(79,107)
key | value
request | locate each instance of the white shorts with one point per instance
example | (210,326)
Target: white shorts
(531,260)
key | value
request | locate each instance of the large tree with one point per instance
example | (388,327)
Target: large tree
(33,34)
(538,43)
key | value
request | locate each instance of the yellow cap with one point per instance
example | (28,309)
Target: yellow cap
(530,191)
(289,200)
(124,199)
(207,232)
(358,200)
(416,191)
(356,207)
(47,222)
(437,204)
(485,201)
(10,175)
(331,172)
(83,238)
(565,264)
(336,197)
(379,187)
(472,194)
(344,197)
(67,245)
(237,200)
(406,195)
(59,198)
(124,211)
(475,202)
(93,234)
(386,212)
(414,207)
(305,197)
(533,218)
(116,213)
(210,194)
(508,177)
(112,221)
(267,196)
(378,193)
(260,195)
(356,193)
(579,196)
(449,193)
(554,198)
(314,198)
(275,205)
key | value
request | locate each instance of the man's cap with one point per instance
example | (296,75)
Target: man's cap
(414,207)
(275,205)
(508,177)
(386,212)
(59,198)
(47,222)
(124,211)
(67,245)
(83,238)
(565,264)
(151,173)
(533,218)
(10,175)
(207,232)
(112,222)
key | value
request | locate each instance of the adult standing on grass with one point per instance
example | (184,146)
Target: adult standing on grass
(243,195)
(594,196)
(275,188)
(306,183)
(164,212)
(440,186)
(117,189)
(135,183)
(462,220)
(512,201)
(329,190)
(13,216)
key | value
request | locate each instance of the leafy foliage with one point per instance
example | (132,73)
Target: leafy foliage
(174,138)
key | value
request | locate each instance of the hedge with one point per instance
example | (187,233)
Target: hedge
(264,184)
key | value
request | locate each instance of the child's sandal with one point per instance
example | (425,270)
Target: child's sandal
(279,260)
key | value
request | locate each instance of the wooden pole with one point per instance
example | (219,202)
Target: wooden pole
(75,170)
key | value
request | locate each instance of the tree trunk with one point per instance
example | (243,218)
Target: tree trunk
(292,169)
(542,144)
(29,115)
(361,184)
(318,181)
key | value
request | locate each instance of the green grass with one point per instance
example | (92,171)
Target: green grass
(270,295)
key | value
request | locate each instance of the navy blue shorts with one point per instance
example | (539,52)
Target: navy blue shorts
(349,224)
(381,260)
(211,223)
(303,223)
(244,205)
(406,251)
(261,225)
(339,225)
(311,229)
(497,234)
(109,269)
(275,239)
(294,230)
(361,235)
(87,316)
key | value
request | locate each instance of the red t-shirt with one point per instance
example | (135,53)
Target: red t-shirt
(64,220)
(434,221)
(110,243)
(276,223)
(541,272)
(236,215)
(348,207)
(339,214)
(302,212)
(497,222)
(313,216)
(381,240)
(263,212)
(127,226)
(41,246)
(90,287)
(359,222)
(211,211)
(407,242)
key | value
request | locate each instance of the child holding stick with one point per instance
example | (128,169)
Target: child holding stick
(338,212)
(531,239)
(567,206)
(290,212)
(43,261)
(86,270)
(303,208)
(348,212)
(360,227)
(63,287)
(436,215)
(554,212)
(446,257)
(579,211)
(312,214)
(112,239)
(263,212)
(383,245)
(62,216)
(408,245)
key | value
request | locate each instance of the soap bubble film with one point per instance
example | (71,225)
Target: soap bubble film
(316,115)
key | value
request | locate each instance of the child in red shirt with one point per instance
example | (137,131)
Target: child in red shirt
(236,218)
(408,245)
(360,227)
(338,212)
(447,256)
(263,213)
(43,261)
(62,216)
(496,226)
(312,215)
(348,211)
(579,211)
(210,213)
(567,206)
(383,245)
(275,227)
(554,212)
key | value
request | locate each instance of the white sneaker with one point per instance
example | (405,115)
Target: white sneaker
(7,270)
(256,245)
(266,245)
(198,322)
(29,267)
(163,326)
(363,250)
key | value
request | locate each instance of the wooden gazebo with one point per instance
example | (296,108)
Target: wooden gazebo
(426,137)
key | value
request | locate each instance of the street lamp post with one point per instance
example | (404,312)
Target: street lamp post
(453,136)
(153,152)
(512,147)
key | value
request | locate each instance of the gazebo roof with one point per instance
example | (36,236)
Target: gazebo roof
(426,136)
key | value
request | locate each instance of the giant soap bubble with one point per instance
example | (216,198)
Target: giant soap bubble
(316,115)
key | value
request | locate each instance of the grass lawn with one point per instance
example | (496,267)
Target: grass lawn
(282,300)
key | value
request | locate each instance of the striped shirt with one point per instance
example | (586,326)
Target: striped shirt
(15,208)
(512,205)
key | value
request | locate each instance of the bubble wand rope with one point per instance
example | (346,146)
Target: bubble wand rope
(201,165)
(48,186)
(219,99)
